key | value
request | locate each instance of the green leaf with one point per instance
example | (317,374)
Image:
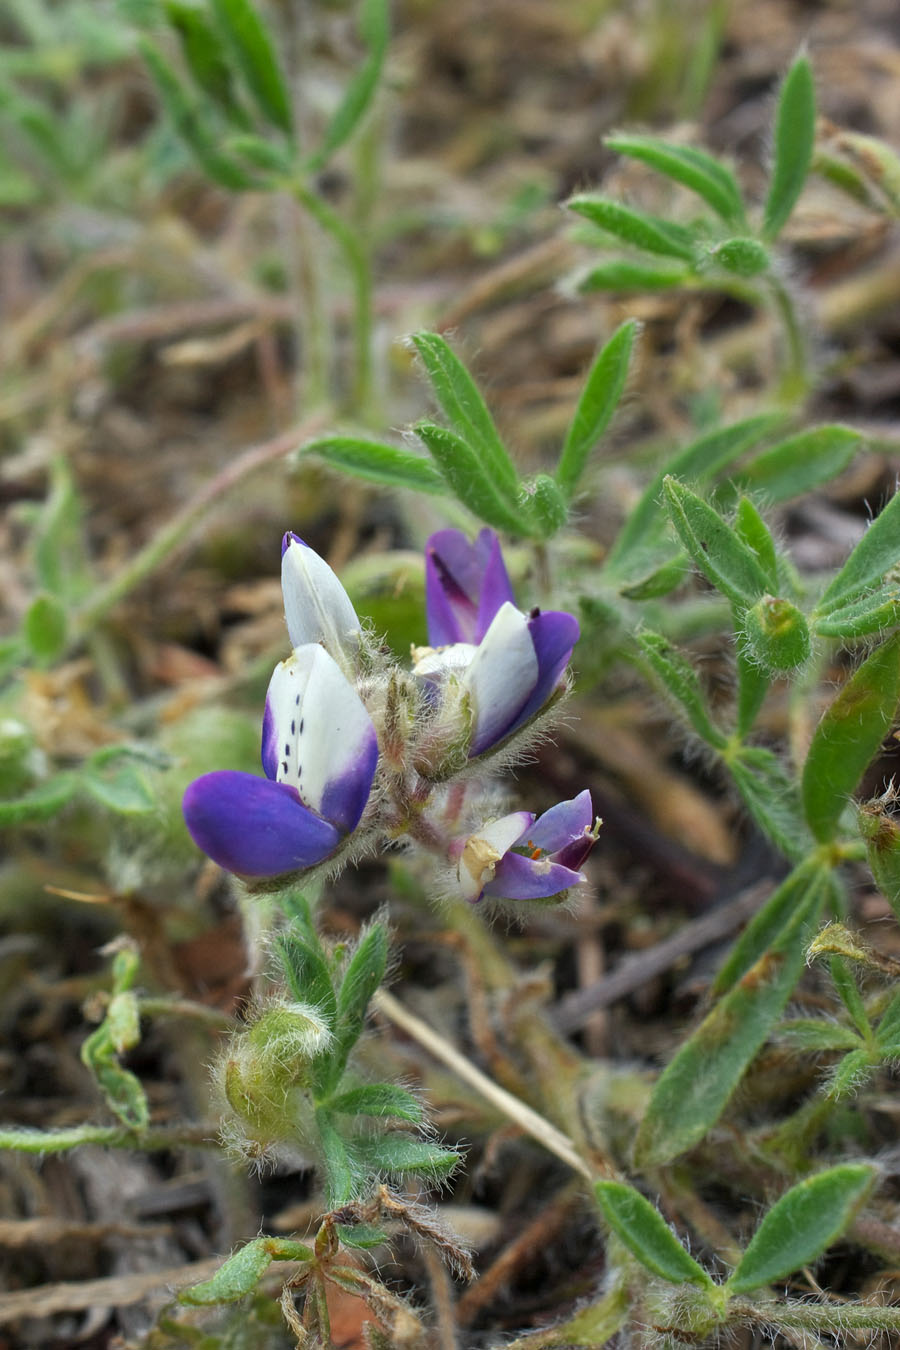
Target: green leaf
(714,546)
(188,116)
(769,922)
(811,1034)
(374,28)
(546,506)
(871,613)
(741,257)
(639,228)
(467,413)
(881,832)
(41,803)
(254,53)
(124,790)
(753,531)
(398,1153)
(378,1099)
(599,400)
(697,463)
(378,463)
(772,798)
(464,471)
(848,736)
(800,464)
(874,556)
(364,973)
(646,1234)
(307,972)
(889,1026)
(795,133)
(342,1179)
(241,1273)
(45,627)
(694,169)
(696,1086)
(679,679)
(851,1074)
(622,274)
(206,58)
(802,1225)
(260,153)
(661,580)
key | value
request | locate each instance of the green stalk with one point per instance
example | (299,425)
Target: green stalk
(203,1135)
(357,262)
(795,382)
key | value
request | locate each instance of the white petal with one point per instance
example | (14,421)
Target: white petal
(501,676)
(484,849)
(316,606)
(438,661)
(319,720)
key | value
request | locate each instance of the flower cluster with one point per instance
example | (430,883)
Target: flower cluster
(489,672)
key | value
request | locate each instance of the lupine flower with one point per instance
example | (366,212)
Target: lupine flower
(510,674)
(507,663)
(316,606)
(465,585)
(520,858)
(319,753)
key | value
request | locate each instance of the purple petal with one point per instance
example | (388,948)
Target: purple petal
(554,634)
(345,795)
(465,585)
(518,878)
(255,827)
(269,748)
(562,823)
(291,538)
(496,588)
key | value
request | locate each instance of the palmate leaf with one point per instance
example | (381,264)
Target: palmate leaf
(708,177)
(465,473)
(625,274)
(800,464)
(876,553)
(467,413)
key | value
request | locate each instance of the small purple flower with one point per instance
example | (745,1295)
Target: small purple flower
(507,663)
(465,585)
(551,852)
(319,753)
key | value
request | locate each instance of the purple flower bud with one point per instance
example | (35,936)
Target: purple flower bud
(316,606)
(319,753)
(465,585)
(550,853)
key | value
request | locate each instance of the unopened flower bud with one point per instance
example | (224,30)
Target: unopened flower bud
(266,1067)
(777,634)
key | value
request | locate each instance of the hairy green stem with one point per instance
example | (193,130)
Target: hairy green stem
(203,1135)
(357,262)
(795,381)
(835,1317)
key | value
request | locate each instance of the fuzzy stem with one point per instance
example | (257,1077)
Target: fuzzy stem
(841,1317)
(111,1136)
(795,381)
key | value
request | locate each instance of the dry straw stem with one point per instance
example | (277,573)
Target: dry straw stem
(517,1111)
